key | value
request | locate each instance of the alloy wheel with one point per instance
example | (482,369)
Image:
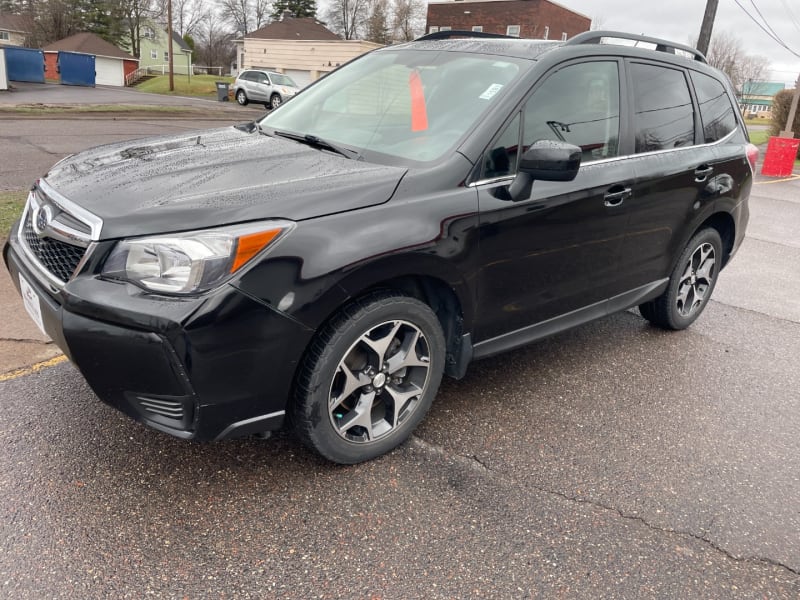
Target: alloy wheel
(697,280)
(379,382)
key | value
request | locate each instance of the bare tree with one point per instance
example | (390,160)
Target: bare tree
(408,18)
(245,16)
(214,43)
(134,14)
(346,17)
(188,16)
(727,54)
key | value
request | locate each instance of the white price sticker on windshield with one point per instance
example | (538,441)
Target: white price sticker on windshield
(491,91)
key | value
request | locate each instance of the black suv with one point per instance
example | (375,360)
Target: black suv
(425,205)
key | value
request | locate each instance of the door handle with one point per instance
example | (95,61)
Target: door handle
(702,172)
(617,197)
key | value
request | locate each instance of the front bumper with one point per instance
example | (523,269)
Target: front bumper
(205,368)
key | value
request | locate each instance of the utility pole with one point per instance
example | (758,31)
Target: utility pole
(169,45)
(708,24)
(788,133)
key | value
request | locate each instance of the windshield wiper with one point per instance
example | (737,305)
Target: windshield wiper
(317,142)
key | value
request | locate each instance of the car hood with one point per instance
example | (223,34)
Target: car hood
(215,177)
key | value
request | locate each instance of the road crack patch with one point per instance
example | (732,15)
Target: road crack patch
(472,462)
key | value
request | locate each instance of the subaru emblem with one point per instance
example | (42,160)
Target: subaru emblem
(42,216)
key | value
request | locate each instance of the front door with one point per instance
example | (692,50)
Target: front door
(556,251)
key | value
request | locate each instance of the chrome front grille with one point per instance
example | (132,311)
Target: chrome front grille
(56,234)
(59,258)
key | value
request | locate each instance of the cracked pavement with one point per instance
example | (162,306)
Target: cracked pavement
(611,461)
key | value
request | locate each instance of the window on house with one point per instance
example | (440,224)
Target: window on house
(433,29)
(154,54)
(166,55)
(4,35)
(148,33)
(445,28)
(512,30)
(546,32)
(563,36)
(477,28)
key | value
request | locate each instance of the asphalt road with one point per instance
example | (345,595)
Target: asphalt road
(613,461)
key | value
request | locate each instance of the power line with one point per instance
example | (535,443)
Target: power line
(765,30)
(791,14)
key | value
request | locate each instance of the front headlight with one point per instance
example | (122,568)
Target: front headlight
(193,262)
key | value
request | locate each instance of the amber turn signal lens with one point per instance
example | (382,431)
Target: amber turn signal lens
(251,244)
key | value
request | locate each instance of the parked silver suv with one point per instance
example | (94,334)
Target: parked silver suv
(270,88)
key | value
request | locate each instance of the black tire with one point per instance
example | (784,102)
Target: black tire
(275,101)
(241,98)
(354,399)
(691,283)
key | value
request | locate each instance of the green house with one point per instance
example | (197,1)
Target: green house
(756,98)
(154,54)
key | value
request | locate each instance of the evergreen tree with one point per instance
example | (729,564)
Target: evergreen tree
(299,8)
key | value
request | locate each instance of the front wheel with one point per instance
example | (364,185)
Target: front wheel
(690,285)
(241,98)
(369,378)
(275,101)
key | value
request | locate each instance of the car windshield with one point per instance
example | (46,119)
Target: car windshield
(409,104)
(279,79)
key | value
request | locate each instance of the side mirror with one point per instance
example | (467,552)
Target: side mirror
(546,160)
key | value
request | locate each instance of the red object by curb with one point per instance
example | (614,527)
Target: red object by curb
(780,156)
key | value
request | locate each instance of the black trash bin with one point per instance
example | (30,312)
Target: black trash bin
(222,91)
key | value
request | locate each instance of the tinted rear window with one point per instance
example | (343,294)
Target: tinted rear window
(716,109)
(664,111)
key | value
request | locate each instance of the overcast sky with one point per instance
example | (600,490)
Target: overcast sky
(680,20)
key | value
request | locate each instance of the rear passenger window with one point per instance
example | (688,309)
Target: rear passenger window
(663,105)
(716,109)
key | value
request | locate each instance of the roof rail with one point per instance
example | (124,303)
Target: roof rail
(595,37)
(447,34)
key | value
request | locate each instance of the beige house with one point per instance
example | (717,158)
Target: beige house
(303,49)
(13,29)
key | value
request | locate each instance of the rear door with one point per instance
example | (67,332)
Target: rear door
(672,169)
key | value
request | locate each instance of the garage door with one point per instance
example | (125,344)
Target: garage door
(76,68)
(24,64)
(109,71)
(301,78)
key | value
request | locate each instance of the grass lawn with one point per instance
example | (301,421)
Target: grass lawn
(759,137)
(757,121)
(200,85)
(11,204)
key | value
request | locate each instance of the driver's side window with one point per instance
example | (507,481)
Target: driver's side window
(578,104)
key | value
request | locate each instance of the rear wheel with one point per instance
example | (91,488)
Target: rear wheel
(690,285)
(241,98)
(369,378)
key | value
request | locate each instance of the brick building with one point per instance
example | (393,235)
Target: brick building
(535,19)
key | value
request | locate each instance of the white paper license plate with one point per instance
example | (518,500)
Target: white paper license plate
(31,301)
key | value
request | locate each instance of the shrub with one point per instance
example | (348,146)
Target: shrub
(780,112)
